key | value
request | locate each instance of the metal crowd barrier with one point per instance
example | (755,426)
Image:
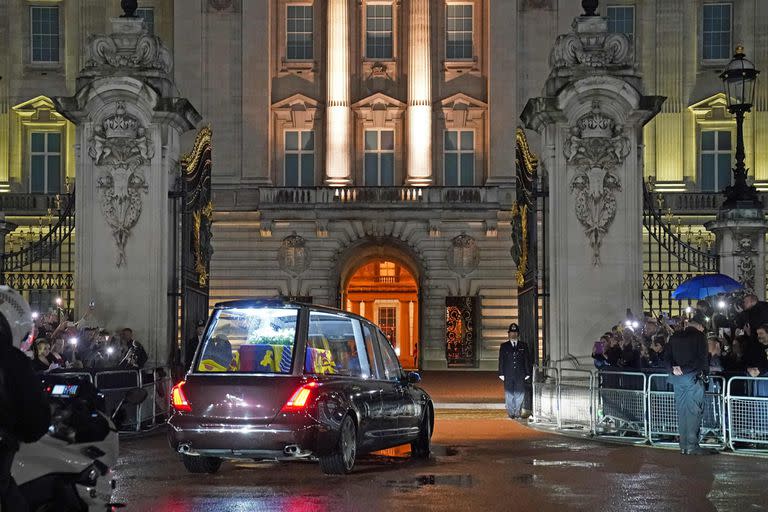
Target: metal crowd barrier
(621,405)
(114,384)
(636,407)
(545,396)
(748,414)
(662,413)
(577,400)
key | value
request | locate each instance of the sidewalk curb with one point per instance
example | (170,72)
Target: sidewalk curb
(467,405)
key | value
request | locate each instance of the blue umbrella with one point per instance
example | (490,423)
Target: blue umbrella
(701,287)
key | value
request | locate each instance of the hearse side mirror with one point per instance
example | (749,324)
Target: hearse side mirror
(412,377)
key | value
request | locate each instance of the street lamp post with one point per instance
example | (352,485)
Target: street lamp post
(739,79)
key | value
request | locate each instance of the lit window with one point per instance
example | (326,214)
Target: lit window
(716,160)
(387,269)
(717,32)
(379,158)
(299,32)
(148,15)
(44,33)
(299,158)
(459,158)
(459,31)
(378,31)
(45,163)
(621,20)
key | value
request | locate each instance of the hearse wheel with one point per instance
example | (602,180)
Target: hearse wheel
(342,460)
(200,464)
(421,447)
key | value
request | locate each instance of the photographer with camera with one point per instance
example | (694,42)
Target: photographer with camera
(686,360)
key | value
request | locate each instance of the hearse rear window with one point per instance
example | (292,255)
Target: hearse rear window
(250,340)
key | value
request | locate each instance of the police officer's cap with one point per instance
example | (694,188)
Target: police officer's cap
(513,327)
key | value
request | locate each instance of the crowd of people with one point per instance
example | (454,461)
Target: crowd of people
(70,345)
(736,332)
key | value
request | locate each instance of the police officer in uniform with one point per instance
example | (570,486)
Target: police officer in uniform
(515,369)
(686,361)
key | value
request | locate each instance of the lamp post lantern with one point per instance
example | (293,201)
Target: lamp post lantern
(739,80)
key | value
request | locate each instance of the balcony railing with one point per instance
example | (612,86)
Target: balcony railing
(694,202)
(29,204)
(281,196)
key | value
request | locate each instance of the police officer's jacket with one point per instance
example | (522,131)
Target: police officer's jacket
(688,350)
(515,363)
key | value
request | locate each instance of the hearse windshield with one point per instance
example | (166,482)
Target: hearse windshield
(250,340)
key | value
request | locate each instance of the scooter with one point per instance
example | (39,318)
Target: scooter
(68,469)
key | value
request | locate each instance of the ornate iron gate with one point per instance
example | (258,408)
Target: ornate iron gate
(42,267)
(194,253)
(525,243)
(461,331)
(668,261)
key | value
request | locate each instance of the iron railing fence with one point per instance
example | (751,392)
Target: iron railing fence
(668,260)
(640,408)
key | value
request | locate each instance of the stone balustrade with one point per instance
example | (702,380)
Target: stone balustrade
(30,204)
(415,196)
(693,202)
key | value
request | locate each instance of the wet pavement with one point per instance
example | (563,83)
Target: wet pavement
(481,462)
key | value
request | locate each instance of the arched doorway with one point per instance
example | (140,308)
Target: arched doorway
(385,291)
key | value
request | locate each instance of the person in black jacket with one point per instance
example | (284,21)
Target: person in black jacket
(515,369)
(686,360)
(24,413)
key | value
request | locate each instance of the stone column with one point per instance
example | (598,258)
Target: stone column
(338,156)
(591,119)
(129,119)
(740,242)
(419,114)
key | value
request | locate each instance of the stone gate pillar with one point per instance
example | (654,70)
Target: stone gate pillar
(740,244)
(591,117)
(129,119)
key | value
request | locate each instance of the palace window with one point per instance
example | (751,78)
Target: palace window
(458,32)
(716,160)
(378,31)
(379,158)
(716,34)
(148,15)
(299,32)
(44,34)
(45,163)
(621,19)
(299,158)
(459,158)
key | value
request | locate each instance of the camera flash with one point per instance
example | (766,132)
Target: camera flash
(73,341)
(689,310)
(110,350)
(35,315)
(721,304)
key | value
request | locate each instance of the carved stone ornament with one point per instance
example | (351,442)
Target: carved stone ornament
(120,148)
(293,255)
(746,265)
(595,147)
(463,255)
(220,5)
(128,49)
(593,49)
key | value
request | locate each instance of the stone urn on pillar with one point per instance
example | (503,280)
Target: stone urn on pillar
(591,117)
(129,119)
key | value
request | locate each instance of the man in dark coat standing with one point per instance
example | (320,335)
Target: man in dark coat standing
(515,369)
(686,361)
(191,345)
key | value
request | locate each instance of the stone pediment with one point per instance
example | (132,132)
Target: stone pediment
(39,109)
(379,109)
(713,108)
(460,109)
(298,110)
